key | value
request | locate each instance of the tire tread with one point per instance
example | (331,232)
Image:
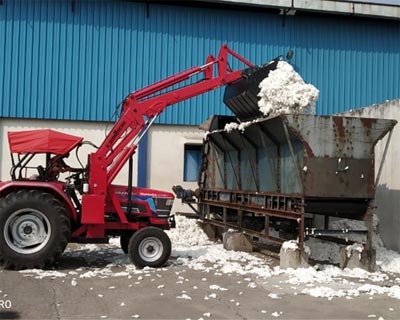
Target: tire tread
(49,254)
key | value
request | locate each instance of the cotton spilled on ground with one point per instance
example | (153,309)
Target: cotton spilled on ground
(193,250)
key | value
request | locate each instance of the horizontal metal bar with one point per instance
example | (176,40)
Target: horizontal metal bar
(345,242)
(322,232)
(261,212)
(244,230)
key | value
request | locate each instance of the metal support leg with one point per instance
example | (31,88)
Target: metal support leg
(370,250)
(369,223)
(266,227)
(224,213)
(207,211)
(240,219)
(326,222)
(301,227)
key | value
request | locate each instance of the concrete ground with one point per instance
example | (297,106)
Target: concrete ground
(79,289)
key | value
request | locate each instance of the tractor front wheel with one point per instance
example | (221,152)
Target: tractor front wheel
(149,247)
(34,229)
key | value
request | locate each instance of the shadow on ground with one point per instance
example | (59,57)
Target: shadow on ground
(9,315)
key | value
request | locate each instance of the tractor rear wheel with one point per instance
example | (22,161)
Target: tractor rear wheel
(149,247)
(34,229)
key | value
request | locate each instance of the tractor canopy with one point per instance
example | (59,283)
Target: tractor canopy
(42,141)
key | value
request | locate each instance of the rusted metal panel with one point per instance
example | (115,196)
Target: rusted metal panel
(333,136)
(217,166)
(232,166)
(290,181)
(355,209)
(248,169)
(268,169)
(339,178)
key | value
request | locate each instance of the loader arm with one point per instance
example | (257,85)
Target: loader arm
(139,110)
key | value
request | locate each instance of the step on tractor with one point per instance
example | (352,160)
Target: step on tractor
(40,215)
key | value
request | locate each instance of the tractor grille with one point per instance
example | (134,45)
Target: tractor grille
(163,206)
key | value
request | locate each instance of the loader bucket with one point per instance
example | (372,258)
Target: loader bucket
(241,96)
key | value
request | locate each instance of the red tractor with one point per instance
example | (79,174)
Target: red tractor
(39,214)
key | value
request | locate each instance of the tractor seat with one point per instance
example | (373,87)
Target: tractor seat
(42,173)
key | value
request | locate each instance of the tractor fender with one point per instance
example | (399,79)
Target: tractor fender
(55,188)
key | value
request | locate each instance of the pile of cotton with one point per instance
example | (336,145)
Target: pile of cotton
(284,91)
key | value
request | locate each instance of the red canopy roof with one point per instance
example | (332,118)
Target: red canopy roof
(42,141)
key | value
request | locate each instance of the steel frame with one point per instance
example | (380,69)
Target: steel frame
(269,205)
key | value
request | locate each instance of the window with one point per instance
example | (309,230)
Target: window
(192,162)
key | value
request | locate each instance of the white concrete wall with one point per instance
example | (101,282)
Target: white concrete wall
(90,131)
(166,157)
(387,197)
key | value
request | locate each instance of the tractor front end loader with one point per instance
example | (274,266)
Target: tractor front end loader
(39,214)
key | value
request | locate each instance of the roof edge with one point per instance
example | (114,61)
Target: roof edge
(355,8)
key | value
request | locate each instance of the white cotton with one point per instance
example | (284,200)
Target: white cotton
(354,247)
(192,249)
(187,233)
(231,126)
(388,260)
(217,287)
(284,91)
(293,245)
(40,274)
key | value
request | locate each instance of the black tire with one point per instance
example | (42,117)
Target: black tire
(124,241)
(149,247)
(34,229)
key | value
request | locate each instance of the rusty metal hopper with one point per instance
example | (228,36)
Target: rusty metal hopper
(326,160)
(291,173)
(241,95)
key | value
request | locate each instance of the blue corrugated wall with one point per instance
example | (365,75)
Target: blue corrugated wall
(63,62)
